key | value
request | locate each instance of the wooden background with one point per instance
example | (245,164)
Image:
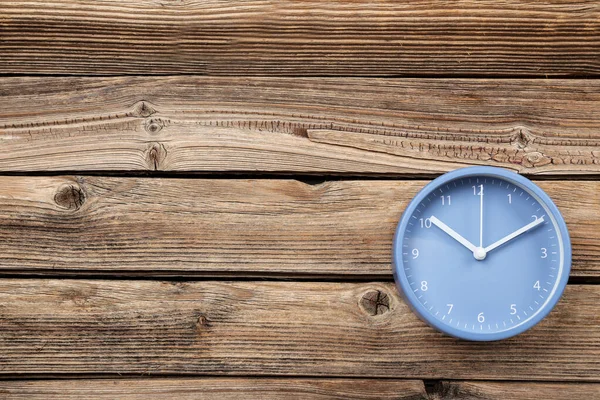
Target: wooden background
(197,198)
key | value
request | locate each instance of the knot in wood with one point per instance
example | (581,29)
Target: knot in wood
(153,126)
(70,197)
(375,302)
(155,155)
(202,322)
(535,159)
(521,139)
(143,109)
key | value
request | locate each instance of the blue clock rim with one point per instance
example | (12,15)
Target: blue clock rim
(402,281)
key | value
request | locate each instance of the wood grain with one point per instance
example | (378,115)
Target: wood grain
(272,328)
(230,227)
(293,38)
(396,127)
(214,388)
(515,391)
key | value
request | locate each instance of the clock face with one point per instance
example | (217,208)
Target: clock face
(482,254)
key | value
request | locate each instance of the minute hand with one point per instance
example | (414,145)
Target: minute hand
(516,233)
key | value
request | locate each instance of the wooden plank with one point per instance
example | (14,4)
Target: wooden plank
(272,328)
(311,126)
(221,227)
(516,391)
(214,388)
(294,38)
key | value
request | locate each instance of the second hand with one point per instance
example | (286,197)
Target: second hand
(481,216)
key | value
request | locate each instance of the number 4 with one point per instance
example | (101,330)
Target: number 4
(536,285)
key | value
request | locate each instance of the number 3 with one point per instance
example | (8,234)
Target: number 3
(544,252)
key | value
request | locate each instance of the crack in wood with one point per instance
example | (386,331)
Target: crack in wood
(306,127)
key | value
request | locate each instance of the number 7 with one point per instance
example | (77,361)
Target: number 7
(450,307)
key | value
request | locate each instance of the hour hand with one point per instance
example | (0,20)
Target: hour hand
(455,235)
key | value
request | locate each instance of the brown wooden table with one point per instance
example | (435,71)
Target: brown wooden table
(197,198)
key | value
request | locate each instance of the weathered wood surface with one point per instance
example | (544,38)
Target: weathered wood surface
(515,391)
(215,388)
(229,226)
(272,328)
(362,38)
(311,126)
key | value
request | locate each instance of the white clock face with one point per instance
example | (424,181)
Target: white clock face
(481,256)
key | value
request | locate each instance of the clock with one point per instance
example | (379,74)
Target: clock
(481,253)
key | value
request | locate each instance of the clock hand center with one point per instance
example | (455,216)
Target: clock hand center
(479,253)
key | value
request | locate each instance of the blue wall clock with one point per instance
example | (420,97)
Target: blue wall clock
(481,253)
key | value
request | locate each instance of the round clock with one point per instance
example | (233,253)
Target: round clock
(481,253)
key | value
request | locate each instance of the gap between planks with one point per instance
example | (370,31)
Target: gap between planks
(291,388)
